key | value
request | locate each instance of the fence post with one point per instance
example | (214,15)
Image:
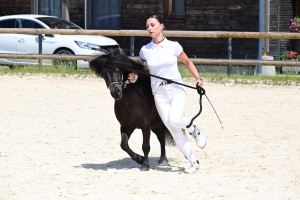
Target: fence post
(278,30)
(131,45)
(260,28)
(40,48)
(229,55)
(278,55)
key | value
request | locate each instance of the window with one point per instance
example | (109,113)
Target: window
(25,23)
(104,14)
(55,23)
(175,11)
(178,7)
(9,23)
(50,7)
(58,8)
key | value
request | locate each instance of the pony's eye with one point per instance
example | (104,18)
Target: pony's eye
(104,71)
(117,71)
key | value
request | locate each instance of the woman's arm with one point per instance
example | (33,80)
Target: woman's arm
(191,67)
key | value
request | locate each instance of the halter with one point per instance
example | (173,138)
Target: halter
(120,82)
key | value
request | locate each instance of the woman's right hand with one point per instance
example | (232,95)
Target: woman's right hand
(132,77)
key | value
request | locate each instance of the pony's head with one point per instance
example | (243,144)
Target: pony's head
(113,68)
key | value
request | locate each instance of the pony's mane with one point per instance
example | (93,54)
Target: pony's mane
(114,59)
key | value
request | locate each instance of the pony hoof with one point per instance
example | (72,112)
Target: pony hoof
(163,161)
(144,168)
(139,159)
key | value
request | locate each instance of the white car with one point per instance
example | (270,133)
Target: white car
(52,44)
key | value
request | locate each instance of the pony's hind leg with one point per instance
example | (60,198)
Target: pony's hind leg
(161,138)
(124,145)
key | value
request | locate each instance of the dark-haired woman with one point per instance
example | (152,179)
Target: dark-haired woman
(160,56)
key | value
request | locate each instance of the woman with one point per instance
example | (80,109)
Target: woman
(160,56)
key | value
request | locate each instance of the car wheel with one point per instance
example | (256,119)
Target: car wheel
(66,64)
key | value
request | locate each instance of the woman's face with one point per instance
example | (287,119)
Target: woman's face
(154,28)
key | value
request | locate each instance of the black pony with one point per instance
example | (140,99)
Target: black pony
(134,104)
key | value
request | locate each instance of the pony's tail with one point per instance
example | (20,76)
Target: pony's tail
(169,138)
(161,130)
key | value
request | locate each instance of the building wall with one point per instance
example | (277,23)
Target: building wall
(222,15)
(209,15)
(76,12)
(134,14)
(286,12)
(213,15)
(11,7)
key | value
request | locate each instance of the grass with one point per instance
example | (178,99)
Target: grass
(240,78)
(287,79)
(45,70)
(250,79)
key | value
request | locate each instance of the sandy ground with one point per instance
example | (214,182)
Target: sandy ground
(59,139)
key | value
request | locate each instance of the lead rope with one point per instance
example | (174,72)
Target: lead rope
(202,92)
(199,89)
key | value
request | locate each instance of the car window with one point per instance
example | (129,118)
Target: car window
(8,23)
(57,23)
(25,23)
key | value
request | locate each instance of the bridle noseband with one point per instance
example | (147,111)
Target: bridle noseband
(119,82)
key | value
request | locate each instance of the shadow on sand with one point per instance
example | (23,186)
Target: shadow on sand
(127,163)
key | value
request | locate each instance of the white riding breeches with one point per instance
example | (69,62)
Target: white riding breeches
(170,103)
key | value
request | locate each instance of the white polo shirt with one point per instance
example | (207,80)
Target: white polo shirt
(161,60)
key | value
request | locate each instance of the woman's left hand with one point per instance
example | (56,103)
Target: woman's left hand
(199,82)
(132,77)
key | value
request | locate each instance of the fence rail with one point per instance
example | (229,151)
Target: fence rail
(221,62)
(196,34)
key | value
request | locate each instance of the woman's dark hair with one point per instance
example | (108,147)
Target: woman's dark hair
(159,18)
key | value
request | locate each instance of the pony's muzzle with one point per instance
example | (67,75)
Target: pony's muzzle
(116,91)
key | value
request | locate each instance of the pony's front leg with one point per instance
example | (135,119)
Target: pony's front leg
(146,148)
(124,145)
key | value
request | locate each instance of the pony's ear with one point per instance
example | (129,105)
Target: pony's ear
(95,64)
(121,51)
(114,52)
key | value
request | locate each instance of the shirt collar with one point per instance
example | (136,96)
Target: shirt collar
(161,44)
